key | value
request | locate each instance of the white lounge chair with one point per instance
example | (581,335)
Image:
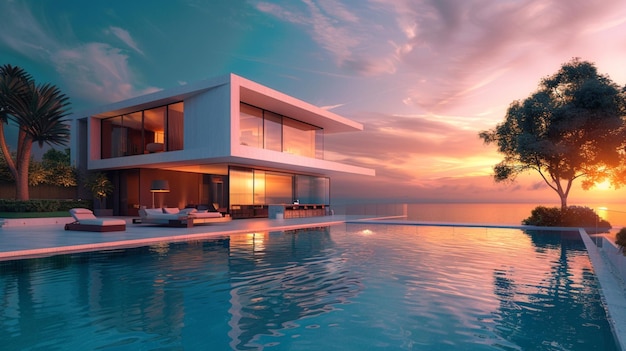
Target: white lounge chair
(84,220)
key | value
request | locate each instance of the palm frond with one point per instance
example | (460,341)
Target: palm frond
(13,82)
(41,113)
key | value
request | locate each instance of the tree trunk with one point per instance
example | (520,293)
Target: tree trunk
(7,153)
(21,182)
(563,202)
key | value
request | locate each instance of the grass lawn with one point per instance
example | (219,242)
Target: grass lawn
(34,214)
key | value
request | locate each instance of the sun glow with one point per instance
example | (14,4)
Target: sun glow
(605,185)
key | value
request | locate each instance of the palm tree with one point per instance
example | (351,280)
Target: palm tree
(39,111)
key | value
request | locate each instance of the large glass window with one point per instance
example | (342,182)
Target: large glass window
(154,129)
(313,190)
(132,123)
(278,188)
(258,187)
(241,187)
(271,131)
(273,127)
(121,136)
(251,126)
(147,131)
(298,138)
(319,143)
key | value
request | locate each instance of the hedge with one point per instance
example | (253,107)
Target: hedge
(43,205)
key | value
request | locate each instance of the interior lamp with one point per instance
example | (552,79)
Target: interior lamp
(159,186)
(159,137)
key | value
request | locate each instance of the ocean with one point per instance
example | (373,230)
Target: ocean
(501,213)
(488,213)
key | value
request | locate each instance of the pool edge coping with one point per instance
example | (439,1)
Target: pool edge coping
(129,243)
(612,288)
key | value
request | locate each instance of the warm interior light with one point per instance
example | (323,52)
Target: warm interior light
(159,136)
(159,186)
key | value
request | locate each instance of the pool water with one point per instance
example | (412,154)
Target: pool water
(346,287)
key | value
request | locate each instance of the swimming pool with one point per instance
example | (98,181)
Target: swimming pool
(347,287)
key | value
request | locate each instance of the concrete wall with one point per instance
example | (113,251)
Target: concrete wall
(207,122)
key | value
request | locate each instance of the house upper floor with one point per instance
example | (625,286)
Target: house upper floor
(226,120)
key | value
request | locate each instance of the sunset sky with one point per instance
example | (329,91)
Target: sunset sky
(424,77)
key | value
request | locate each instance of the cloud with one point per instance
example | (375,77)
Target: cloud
(351,39)
(96,71)
(331,107)
(22,32)
(125,37)
(448,52)
(428,158)
(415,150)
(474,189)
(456,48)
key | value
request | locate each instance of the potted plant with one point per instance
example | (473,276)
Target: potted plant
(100,187)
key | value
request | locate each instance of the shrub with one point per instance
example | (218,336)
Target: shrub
(46,205)
(573,216)
(544,216)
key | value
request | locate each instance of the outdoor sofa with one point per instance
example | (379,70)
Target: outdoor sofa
(187,217)
(85,220)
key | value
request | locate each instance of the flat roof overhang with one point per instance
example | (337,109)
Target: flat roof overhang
(218,165)
(260,96)
(249,92)
(153,99)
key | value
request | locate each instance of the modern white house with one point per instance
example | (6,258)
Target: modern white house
(226,142)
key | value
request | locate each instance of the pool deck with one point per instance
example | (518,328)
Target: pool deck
(31,238)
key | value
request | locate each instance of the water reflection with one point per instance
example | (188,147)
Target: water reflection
(59,301)
(546,309)
(393,287)
(259,282)
(297,275)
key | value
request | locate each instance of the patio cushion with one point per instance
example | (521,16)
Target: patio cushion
(85,219)
(151,211)
(81,214)
(186,211)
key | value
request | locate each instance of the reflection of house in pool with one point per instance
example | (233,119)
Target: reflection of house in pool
(290,282)
(226,141)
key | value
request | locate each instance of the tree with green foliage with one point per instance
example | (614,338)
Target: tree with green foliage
(59,168)
(5,173)
(37,174)
(572,127)
(54,169)
(39,111)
